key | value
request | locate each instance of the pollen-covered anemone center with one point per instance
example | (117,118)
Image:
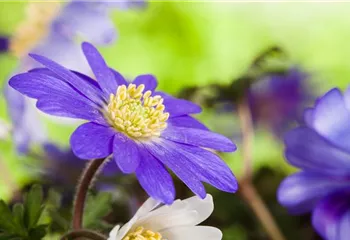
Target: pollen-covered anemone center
(137,114)
(142,234)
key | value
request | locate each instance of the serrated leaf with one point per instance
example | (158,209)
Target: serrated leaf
(96,208)
(60,221)
(53,199)
(33,206)
(7,223)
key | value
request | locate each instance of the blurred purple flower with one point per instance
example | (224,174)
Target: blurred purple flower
(4,44)
(145,130)
(321,149)
(26,125)
(64,168)
(277,100)
(88,20)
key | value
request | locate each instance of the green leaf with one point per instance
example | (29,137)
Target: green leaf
(96,208)
(33,206)
(7,222)
(18,215)
(38,232)
(6,236)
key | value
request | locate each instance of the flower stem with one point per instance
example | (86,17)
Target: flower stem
(86,180)
(247,189)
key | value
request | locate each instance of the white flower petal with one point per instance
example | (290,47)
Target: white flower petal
(192,233)
(177,205)
(189,212)
(147,207)
(204,207)
(177,221)
(113,234)
(126,228)
(144,210)
(168,220)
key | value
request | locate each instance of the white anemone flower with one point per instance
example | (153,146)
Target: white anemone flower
(177,221)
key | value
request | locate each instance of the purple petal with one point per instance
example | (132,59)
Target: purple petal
(88,90)
(56,97)
(46,71)
(347,98)
(210,167)
(198,137)
(92,141)
(63,107)
(155,179)
(186,121)
(331,119)
(4,44)
(309,117)
(167,153)
(16,104)
(308,150)
(23,116)
(331,217)
(126,153)
(344,226)
(300,192)
(178,107)
(60,49)
(88,19)
(119,78)
(37,85)
(124,5)
(99,67)
(110,169)
(148,80)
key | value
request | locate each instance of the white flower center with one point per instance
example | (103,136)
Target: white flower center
(135,113)
(142,234)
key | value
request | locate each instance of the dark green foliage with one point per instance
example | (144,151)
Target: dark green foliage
(96,208)
(23,222)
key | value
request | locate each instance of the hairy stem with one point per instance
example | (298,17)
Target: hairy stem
(86,179)
(247,189)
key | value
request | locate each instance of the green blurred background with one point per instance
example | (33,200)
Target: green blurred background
(191,44)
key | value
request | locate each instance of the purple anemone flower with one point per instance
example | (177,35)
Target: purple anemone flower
(145,130)
(277,100)
(87,20)
(64,168)
(321,149)
(4,44)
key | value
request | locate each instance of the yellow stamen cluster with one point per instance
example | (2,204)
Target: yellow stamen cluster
(135,113)
(142,234)
(35,26)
